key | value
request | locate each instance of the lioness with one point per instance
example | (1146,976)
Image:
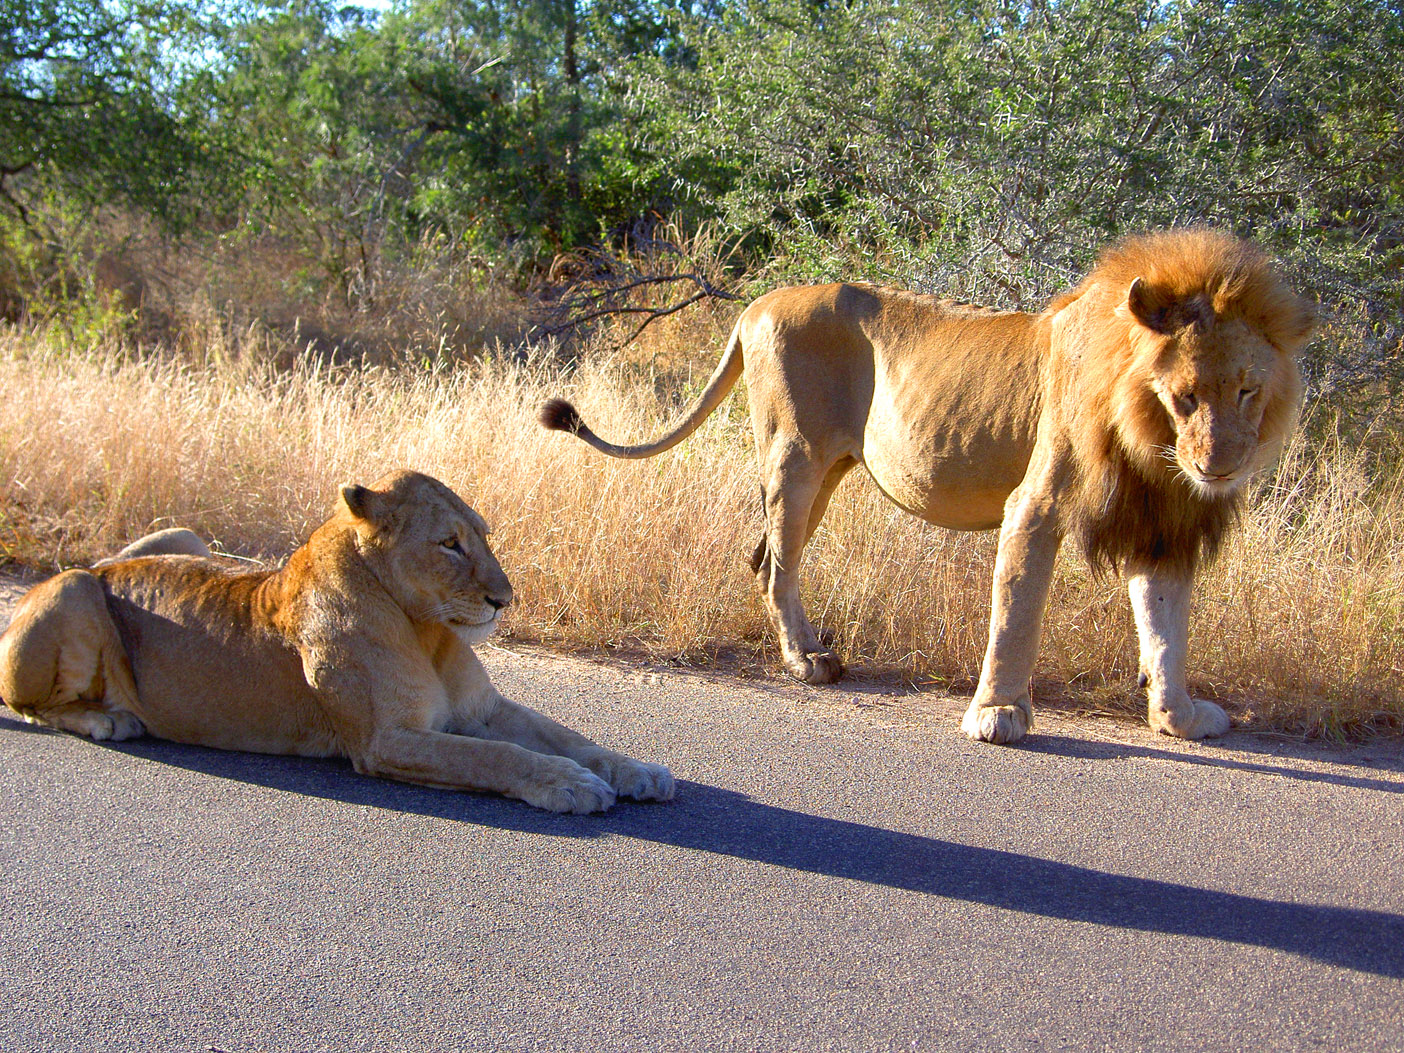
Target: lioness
(360,646)
(1127,414)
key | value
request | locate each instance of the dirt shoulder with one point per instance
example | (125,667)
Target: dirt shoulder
(876,700)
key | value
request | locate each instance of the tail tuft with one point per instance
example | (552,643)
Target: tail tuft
(560,415)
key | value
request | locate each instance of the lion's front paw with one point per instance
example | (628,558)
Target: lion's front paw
(1001,725)
(570,789)
(816,667)
(1191,719)
(640,780)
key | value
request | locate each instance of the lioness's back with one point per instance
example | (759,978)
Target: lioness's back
(206,660)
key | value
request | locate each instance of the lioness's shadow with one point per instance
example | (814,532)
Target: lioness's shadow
(710,819)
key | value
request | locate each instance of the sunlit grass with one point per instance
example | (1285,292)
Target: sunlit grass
(1300,623)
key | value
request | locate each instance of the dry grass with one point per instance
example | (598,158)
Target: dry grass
(1301,622)
(117,281)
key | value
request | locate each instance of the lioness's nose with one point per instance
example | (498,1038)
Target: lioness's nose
(501,600)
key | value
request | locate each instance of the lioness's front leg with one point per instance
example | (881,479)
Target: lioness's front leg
(1001,710)
(1161,600)
(464,762)
(382,717)
(516,723)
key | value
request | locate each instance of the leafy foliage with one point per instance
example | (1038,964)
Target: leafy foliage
(88,104)
(985,148)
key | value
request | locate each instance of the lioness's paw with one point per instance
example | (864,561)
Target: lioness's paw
(816,667)
(126,726)
(641,781)
(93,723)
(577,791)
(1195,720)
(1001,725)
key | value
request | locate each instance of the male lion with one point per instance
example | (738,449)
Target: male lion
(359,646)
(1127,414)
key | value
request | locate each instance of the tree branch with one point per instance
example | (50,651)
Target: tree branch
(609,290)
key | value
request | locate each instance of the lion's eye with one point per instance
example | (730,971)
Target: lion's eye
(1186,402)
(1246,394)
(453,546)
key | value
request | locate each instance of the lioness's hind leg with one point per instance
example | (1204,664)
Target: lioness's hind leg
(94,721)
(177,541)
(797,493)
(62,662)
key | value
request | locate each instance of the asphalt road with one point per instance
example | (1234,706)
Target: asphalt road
(841,870)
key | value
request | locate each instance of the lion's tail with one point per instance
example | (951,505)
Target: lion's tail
(560,415)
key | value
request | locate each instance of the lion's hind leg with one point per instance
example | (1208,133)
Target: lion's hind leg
(797,492)
(62,662)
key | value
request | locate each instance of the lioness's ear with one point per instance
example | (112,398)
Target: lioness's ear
(357,500)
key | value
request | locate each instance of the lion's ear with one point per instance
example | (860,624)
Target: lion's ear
(1160,312)
(357,500)
(1146,305)
(1295,324)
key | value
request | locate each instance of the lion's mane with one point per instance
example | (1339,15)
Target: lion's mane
(1132,504)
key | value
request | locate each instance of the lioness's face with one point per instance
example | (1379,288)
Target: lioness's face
(431,553)
(472,590)
(1217,382)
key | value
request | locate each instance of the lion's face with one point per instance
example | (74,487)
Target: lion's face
(430,551)
(1215,397)
(1214,390)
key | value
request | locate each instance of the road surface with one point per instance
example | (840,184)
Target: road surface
(841,870)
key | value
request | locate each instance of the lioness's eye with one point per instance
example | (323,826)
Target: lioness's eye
(452,545)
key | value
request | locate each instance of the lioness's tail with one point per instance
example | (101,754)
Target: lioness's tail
(560,415)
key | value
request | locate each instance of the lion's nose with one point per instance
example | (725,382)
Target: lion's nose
(499,601)
(1221,461)
(1212,469)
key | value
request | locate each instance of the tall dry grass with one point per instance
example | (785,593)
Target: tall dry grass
(1301,621)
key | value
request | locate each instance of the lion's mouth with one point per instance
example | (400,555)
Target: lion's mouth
(1213,485)
(1210,484)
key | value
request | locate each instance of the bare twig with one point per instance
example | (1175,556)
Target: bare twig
(611,286)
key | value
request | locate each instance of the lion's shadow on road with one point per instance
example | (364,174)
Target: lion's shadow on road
(706,818)
(1226,754)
